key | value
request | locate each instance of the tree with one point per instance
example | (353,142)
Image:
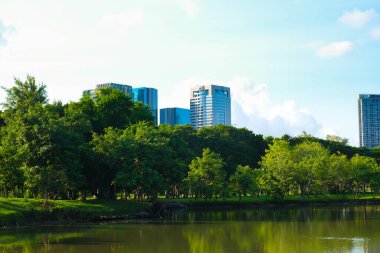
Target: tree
(236,145)
(310,160)
(364,169)
(339,173)
(24,95)
(141,112)
(36,146)
(336,138)
(244,181)
(278,173)
(206,176)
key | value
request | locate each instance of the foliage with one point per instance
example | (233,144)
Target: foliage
(336,138)
(206,176)
(107,145)
(244,181)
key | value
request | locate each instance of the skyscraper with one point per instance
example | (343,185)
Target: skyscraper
(174,116)
(210,105)
(126,89)
(149,97)
(369,120)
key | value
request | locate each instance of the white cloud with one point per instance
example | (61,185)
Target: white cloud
(179,95)
(335,49)
(189,6)
(375,33)
(357,18)
(4,31)
(252,108)
(121,22)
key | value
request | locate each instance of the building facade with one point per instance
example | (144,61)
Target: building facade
(126,89)
(174,116)
(210,105)
(369,120)
(149,97)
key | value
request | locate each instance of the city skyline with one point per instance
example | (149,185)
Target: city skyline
(290,68)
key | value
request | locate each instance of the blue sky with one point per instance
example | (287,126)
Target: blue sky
(292,66)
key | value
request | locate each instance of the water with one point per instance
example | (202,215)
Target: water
(276,230)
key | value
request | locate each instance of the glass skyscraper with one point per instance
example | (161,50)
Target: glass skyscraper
(210,105)
(369,120)
(126,89)
(174,116)
(149,97)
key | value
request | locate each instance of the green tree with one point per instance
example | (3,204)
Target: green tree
(310,164)
(113,109)
(244,181)
(278,169)
(339,174)
(24,95)
(141,112)
(236,145)
(336,138)
(364,169)
(36,146)
(206,176)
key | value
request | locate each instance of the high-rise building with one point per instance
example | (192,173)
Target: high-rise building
(174,116)
(369,120)
(210,105)
(89,92)
(149,97)
(126,89)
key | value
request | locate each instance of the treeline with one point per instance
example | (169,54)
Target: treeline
(107,145)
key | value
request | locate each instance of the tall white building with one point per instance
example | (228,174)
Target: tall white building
(369,120)
(210,105)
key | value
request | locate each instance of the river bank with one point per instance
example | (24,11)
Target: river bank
(30,212)
(20,211)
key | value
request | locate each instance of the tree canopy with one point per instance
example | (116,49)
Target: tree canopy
(108,145)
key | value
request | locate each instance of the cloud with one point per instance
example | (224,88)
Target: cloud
(189,6)
(335,49)
(252,108)
(122,21)
(4,31)
(375,33)
(357,18)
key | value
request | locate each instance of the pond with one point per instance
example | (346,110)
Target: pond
(270,230)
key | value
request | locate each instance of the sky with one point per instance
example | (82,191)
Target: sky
(292,65)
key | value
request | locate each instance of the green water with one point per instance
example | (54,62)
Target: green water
(288,230)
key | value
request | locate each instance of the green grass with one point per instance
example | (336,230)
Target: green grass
(268,200)
(21,211)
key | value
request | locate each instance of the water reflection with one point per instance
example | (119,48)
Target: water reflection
(339,229)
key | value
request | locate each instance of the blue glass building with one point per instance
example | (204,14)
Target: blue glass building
(210,105)
(369,120)
(174,116)
(149,97)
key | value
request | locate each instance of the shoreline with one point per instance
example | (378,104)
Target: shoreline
(71,212)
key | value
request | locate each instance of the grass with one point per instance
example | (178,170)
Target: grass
(19,211)
(267,200)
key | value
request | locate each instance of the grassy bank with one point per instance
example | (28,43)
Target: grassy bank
(265,201)
(19,211)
